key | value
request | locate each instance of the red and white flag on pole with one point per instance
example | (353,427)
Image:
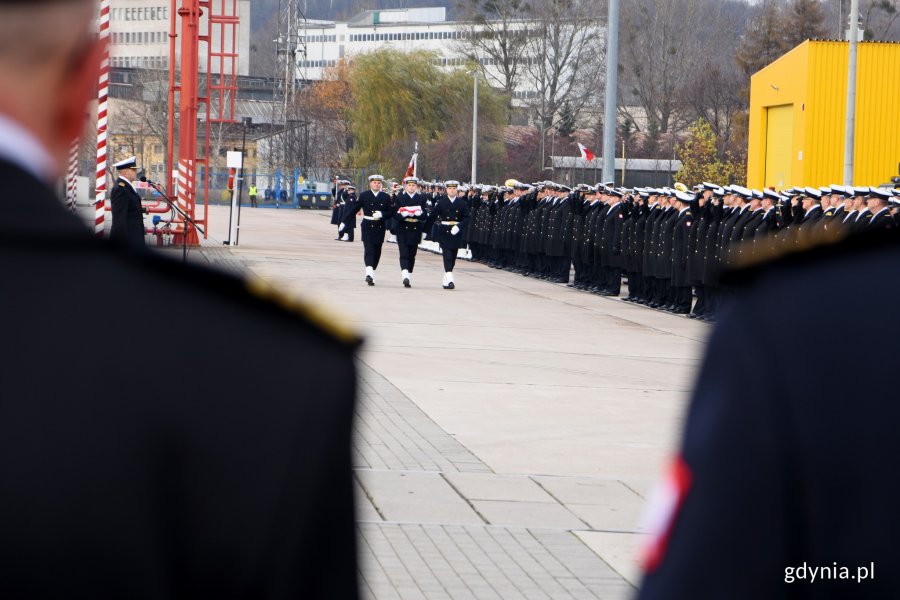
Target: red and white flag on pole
(411,169)
(585,153)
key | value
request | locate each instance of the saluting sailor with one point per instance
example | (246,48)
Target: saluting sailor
(127,213)
(410,215)
(376,207)
(450,217)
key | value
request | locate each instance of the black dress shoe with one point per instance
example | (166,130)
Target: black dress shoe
(449,286)
(369,280)
(406,282)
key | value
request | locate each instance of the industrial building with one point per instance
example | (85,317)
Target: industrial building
(407,30)
(798,111)
(139,36)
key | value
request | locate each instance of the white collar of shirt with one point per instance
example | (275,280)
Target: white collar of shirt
(23,149)
(862,212)
(881,211)
(129,183)
(681,212)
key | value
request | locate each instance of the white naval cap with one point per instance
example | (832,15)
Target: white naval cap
(128,163)
(686,197)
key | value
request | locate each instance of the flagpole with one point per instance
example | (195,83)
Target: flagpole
(416,161)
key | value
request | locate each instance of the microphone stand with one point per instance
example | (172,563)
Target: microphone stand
(183,214)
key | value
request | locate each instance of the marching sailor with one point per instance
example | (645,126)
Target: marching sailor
(410,215)
(450,217)
(376,207)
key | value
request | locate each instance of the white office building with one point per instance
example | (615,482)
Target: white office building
(409,29)
(139,36)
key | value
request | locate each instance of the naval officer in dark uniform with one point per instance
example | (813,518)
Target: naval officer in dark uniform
(376,207)
(789,469)
(451,218)
(133,466)
(127,212)
(410,216)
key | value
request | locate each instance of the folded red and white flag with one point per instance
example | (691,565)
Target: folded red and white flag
(410,211)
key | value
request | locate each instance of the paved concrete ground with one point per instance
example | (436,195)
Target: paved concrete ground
(509,430)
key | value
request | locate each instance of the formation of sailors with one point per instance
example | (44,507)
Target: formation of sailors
(407,213)
(670,243)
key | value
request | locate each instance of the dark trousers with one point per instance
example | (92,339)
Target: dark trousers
(350,233)
(408,256)
(372,254)
(449,255)
(613,280)
(683,298)
(253,201)
(579,270)
(563,266)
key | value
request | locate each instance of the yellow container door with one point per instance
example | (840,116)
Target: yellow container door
(779,145)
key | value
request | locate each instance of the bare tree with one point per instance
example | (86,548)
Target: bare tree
(498,32)
(566,58)
(663,43)
(714,94)
(880,19)
(803,20)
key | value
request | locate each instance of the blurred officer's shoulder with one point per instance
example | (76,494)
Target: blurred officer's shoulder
(818,255)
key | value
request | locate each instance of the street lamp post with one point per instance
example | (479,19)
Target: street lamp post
(609,113)
(246,121)
(475,130)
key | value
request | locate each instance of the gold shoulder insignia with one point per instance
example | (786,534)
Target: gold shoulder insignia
(319,316)
(121,184)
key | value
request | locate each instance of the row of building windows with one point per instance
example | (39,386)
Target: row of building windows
(398,37)
(140,62)
(525,95)
(441,62)
(316,64)
(462,61)
(318,38)
(141,13)
(140,37)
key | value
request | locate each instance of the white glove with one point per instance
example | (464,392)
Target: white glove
(455,230)
(376,215)
(341,228)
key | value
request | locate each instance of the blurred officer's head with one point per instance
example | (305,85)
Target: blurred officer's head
(49,66)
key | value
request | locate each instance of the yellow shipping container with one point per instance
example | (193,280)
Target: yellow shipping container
(798,109)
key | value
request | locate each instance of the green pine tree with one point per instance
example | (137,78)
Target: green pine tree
(566,125)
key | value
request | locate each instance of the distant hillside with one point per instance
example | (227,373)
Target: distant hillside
(335,10)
